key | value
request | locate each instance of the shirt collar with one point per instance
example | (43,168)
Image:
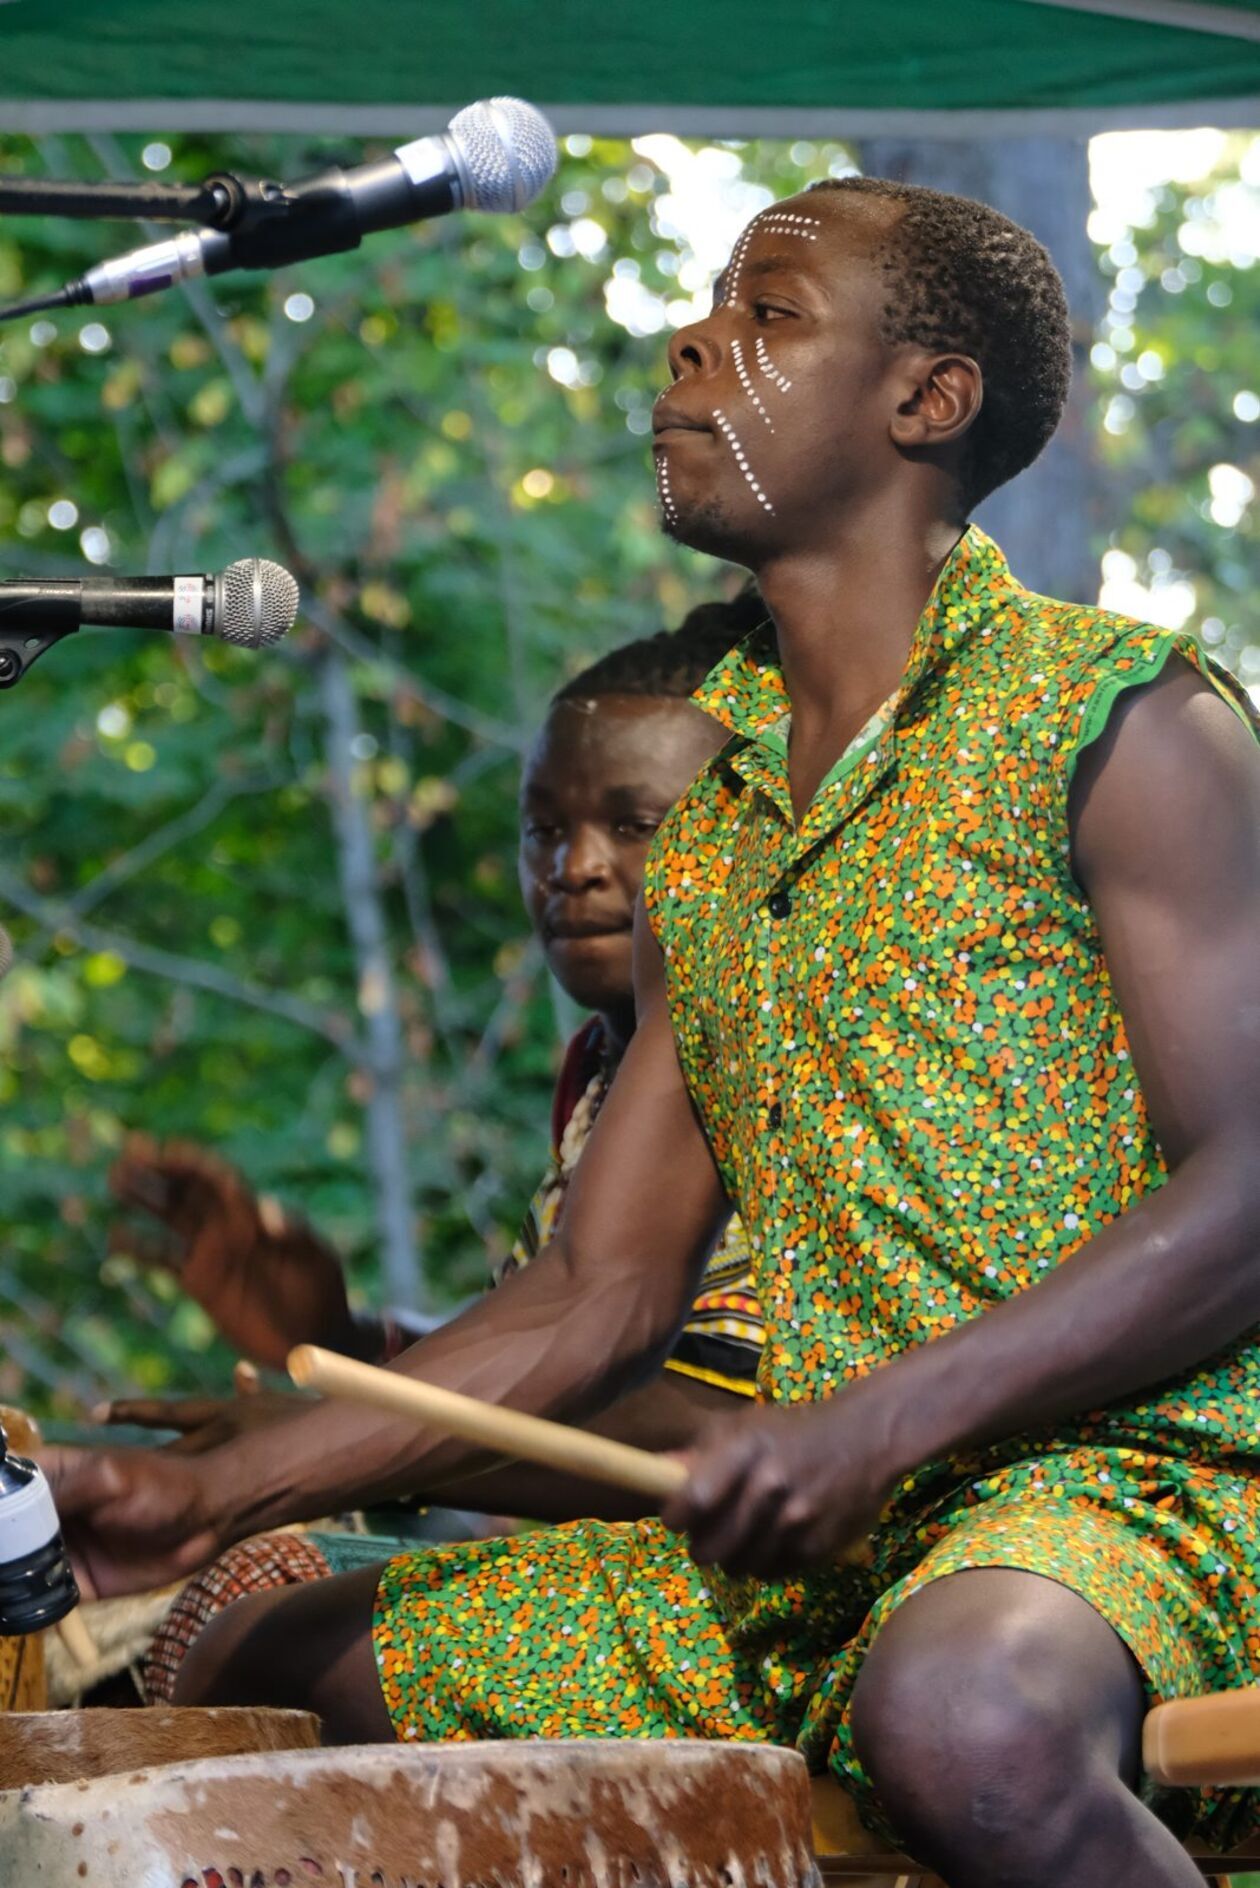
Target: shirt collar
(746,692)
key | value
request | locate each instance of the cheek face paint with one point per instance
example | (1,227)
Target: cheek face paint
(741,458)
(745,381)
(778,223)
(768,367)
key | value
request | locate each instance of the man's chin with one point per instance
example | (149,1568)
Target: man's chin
(706,527)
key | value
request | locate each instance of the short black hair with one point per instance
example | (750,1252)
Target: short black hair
(673,662)
(966,279)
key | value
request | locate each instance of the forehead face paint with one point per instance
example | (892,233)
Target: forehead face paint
(789,223)
(736,262)
(772,222)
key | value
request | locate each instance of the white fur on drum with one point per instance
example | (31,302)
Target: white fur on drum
(614,1814)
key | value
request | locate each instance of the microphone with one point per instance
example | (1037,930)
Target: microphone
(252,603)
(495,155)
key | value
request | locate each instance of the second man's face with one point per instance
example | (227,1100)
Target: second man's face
(601,778)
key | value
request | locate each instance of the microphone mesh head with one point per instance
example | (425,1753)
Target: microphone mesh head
(257,603)
(507,149)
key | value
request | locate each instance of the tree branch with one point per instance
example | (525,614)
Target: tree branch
(193,820)
(378,995)
(152,961)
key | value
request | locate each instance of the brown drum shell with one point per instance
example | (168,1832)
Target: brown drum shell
(615,1814)
(23,1686)
(67,1746)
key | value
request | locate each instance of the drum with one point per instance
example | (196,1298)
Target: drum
(22,1681)
(615,1814)
(38,1747)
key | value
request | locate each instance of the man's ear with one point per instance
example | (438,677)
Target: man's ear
(942,398)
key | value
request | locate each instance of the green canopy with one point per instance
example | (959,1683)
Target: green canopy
(719,67)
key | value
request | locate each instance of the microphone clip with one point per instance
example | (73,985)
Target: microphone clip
(21,647)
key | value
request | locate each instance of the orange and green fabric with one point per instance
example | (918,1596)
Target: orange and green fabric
(898,1026)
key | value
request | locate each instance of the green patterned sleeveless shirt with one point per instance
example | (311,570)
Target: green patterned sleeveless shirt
(897,1024)
(896,1021)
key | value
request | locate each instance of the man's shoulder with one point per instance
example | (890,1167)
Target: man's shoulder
(1052,649)
(1069,663)
(1066,631)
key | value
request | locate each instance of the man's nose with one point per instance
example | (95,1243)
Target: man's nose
(694,349)
(581,861)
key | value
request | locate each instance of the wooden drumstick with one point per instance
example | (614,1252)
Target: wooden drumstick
(507,1431)
(78,1641)
(1215,1739)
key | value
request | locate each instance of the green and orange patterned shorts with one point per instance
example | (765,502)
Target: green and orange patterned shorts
(611,1630)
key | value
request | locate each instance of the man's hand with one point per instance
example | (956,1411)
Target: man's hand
(778,1490)
(133,1519)
(202,1422)
(266,1282)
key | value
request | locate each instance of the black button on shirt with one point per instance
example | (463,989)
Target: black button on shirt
(779,905)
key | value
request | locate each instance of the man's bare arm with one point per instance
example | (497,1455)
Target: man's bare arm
(1166,828)
(564,1337)
(669,1412)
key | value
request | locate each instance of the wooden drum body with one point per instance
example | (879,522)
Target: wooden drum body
(38,1747)
(580,1814)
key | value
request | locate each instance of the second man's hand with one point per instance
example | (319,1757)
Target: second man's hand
(266,1282)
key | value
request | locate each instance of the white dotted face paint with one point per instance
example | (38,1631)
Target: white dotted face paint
(789,223)
(668,507)
(736,262)
(741,459)
(768,367)
(745,381)
(773,222)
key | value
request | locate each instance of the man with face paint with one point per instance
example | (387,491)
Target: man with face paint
(947,978)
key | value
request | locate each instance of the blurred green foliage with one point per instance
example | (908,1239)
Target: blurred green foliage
(1179,420)
(444,435)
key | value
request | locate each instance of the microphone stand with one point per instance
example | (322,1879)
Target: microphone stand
(221,201)
(205,202)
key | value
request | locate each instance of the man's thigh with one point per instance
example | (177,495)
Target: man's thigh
(303,1648)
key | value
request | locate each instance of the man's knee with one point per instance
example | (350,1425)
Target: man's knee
(989,1722)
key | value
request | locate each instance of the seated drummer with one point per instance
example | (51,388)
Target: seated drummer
(620,742)
(947,979)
